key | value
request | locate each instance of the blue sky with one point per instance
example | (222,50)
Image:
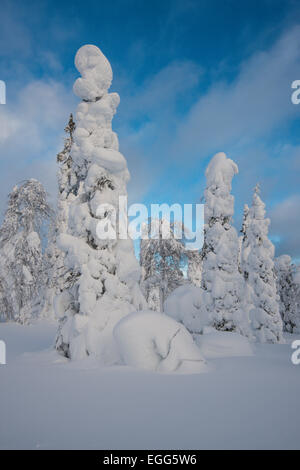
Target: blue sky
(195,77)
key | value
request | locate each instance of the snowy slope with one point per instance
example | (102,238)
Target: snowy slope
(241,402)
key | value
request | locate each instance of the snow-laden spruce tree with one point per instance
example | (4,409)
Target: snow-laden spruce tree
(194,272)
(161,257)
(57,273)
(22,271)
(243,232)
(221,280)
(288,289)
(258,268)
(104,286)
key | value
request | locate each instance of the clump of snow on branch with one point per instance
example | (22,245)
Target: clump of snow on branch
(96,73)
(153,341)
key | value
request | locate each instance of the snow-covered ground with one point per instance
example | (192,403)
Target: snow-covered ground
(47,402)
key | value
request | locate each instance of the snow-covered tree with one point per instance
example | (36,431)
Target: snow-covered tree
(58,274)
(194,272)
(288,289)
(161,257)
(221,280)
(22,273)
(258,268)
(243,232)
(104,282)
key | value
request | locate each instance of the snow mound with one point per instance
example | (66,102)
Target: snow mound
(152,341)
(96,73)
(214,344)
(184,305)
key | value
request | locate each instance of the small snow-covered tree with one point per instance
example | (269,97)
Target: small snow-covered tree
(243,232)
(161,257)
(22,273)
(258,268)
(104,282)
(288,289)
(58,274)
(194,272)
(221,280)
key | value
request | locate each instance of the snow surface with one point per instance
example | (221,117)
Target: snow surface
(47,402)
(214,344)
(153,341)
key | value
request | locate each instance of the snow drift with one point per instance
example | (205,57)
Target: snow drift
(216,344)
(151,340)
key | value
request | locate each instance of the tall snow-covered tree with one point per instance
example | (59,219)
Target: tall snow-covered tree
(221,280)
(22,273)
(194,272)
(58,274)
(104,286)
(258,268)
(161,258)
(288,289)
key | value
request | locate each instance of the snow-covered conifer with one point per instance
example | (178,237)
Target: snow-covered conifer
(221,280)
(258,268)
(243,232)
(288,289)
(57,273)
(22,273)
(194,272)
(104,285)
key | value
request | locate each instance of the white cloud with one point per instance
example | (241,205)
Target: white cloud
(255,103)
(285,225)
(31,133)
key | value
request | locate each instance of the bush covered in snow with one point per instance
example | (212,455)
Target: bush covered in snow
(184,305)
(153,341)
